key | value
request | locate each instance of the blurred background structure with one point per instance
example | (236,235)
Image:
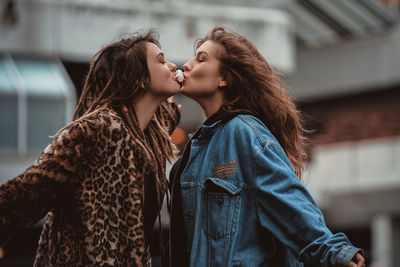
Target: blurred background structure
(340,59)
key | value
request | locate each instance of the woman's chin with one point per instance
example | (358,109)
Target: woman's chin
(188,92)
(182,89)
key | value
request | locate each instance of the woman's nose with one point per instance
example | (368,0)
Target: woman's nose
(187,67)
(171,66)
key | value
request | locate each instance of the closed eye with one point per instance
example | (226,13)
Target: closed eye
(161,58)
(201,56)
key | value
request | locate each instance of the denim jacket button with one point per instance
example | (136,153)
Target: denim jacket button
(220,201)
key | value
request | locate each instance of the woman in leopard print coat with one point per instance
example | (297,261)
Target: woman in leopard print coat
(90,179)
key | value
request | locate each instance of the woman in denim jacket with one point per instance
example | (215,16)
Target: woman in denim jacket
(237,199)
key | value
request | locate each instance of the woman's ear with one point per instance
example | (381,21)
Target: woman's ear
(222,83)
(145,85)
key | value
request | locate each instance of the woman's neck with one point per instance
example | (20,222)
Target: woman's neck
(211,104)
(145,109)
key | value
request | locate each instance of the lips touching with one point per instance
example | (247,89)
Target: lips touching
(179,75)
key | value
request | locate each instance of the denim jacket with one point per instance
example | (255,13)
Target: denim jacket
(236,201)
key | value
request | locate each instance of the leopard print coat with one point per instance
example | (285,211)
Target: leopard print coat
(90,182)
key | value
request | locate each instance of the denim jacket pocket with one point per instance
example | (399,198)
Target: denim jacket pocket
(222,205)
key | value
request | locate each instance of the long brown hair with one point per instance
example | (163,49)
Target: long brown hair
(118,76)
(253,86)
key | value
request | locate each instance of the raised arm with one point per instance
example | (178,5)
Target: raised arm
(171,115)
(288,211)
(27,198)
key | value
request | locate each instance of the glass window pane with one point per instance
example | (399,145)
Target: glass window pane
(41,77)
(45,117)
(8,121)
(5,81)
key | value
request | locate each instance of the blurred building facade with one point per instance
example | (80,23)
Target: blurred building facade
(341,61)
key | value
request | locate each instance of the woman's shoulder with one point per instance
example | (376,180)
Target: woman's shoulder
(105,118)
(93,125)
(249,126)
(246,123)
(100,119)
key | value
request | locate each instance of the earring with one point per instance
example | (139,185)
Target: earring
(125,109)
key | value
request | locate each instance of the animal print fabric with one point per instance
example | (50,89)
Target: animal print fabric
(89,182)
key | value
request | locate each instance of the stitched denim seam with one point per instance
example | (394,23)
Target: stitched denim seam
(272,144)
(252,126)
(257,132)
(344,256)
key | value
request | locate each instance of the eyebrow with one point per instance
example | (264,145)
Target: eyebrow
(201,52)
(160,55)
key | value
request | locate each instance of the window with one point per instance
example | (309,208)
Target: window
(8,109)
(36,100)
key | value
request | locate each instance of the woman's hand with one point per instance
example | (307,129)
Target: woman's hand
(171,99)
(357,261)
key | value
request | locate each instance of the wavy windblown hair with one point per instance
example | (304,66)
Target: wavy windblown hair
(254,87)
(117,78)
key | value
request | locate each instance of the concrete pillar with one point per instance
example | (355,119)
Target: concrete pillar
(382,241)
(396,242)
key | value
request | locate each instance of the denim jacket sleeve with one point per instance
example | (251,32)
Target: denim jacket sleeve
(288,211)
